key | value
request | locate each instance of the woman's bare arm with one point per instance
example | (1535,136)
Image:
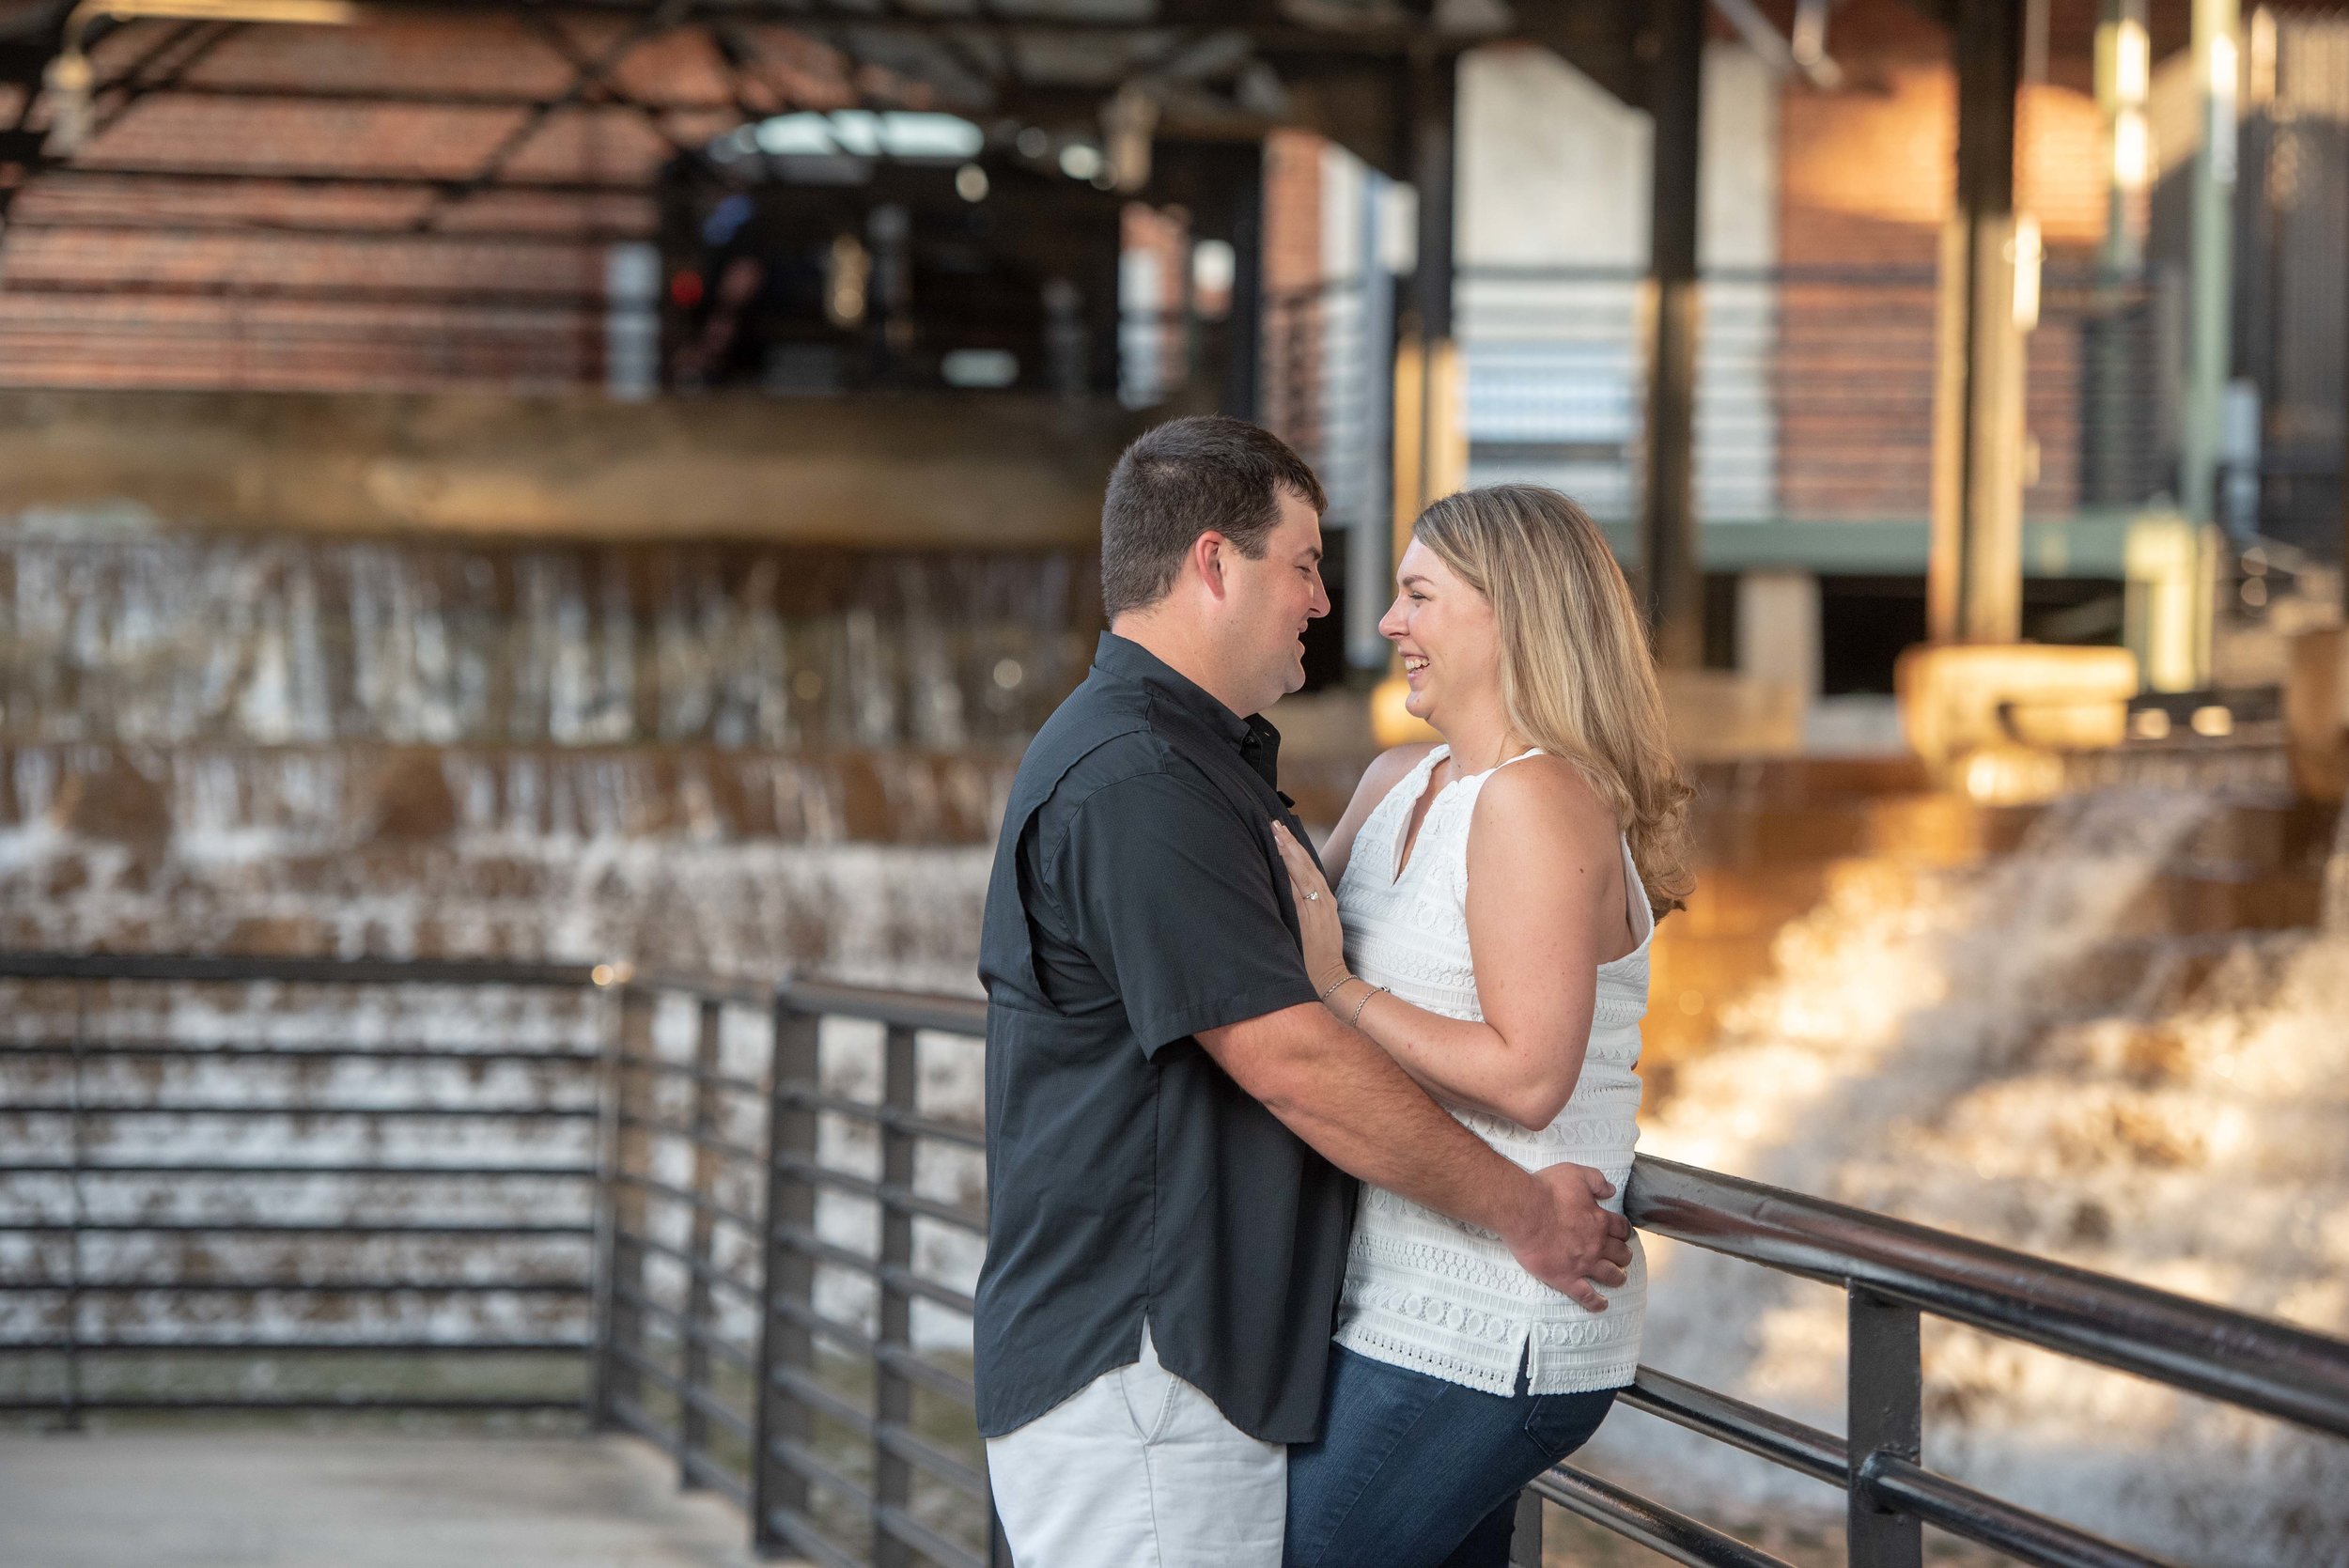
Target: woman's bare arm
(1546,906)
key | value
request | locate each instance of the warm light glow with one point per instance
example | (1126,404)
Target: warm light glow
(2212,721)
(2028,255)
(2223,69)
(2132,150)
(2132,65)
(2011,775)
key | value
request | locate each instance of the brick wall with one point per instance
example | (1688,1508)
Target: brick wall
(269,277)
(1867,179)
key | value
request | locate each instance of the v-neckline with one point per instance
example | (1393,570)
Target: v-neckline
(1414,820)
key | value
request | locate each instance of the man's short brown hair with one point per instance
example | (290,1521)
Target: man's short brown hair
(1206,474)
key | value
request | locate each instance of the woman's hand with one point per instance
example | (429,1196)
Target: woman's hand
(1316,913)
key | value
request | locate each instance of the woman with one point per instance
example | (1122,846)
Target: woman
(1496,896)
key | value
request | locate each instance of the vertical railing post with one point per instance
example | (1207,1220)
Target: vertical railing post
(78,1134)
(1525,1545)
(893,1395)
(608,1079)
(619,1387)
(693,1422)
(1885,1416)
(787,1346)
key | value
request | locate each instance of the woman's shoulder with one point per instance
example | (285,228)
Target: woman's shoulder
(1547,795)
(1392,767)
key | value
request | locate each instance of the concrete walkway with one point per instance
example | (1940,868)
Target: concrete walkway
(291,1500)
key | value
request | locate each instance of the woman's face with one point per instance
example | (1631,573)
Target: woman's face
(1447,635)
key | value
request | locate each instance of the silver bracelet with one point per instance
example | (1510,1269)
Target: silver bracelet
(1333,986)
(1356,1021)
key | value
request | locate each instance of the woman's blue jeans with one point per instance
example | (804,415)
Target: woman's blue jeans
(1415,1472)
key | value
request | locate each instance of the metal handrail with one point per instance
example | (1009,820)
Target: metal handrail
(769,1456)
(475,1254)
(1893,1271)
(2253,1362)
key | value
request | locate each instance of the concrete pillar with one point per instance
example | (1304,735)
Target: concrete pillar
(1777,629)
(1974,579)
(2209,346)
(1430,402)
(1430,405)
(631,321)
(1369,547)
(1668,533)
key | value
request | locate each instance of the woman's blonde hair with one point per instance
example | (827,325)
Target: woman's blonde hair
(1576,677)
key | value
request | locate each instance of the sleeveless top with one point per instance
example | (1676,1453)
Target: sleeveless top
(1425,1291)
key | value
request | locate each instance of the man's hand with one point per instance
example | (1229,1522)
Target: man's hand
(1566,1241)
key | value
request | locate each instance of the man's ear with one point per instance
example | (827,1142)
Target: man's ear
(1210,552)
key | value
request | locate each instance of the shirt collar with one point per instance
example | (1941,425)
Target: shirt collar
(1255,736)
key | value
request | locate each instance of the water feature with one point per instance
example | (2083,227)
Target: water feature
(111,634)
(2003,1052)
(359,749)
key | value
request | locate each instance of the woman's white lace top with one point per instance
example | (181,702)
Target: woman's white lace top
(1425,1291)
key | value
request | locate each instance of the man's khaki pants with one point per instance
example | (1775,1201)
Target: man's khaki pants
(1139,1470)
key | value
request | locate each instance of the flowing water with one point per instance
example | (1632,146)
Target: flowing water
(754,763)
(1991,1052)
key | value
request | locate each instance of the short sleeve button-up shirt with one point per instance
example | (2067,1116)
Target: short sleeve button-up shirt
(1137,899)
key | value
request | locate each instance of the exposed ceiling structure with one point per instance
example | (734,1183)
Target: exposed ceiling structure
(72,74)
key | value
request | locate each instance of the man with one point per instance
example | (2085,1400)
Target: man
(1173,1121)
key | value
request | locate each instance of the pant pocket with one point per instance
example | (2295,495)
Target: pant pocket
(1560,1423)
(1148,1389)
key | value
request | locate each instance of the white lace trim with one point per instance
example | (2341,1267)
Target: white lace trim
(1425,1291)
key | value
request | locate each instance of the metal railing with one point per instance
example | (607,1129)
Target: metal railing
(736,1175)
(150,1179)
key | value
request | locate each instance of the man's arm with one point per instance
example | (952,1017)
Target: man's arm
(1337,1090)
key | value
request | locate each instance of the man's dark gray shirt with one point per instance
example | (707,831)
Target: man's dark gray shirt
(1138,898)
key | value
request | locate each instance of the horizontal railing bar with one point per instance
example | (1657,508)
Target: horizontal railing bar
(224,1167)
(517,1113)
(289,1404)
(898,1009)
(290,1227)
(703,988)
(322,1051)
(676,1194)
(901,1279)
(298,1287)
(699,1268)
(2016,1532)
(910,1367)
(715,1476)
(847,1335)
(813,1394)
(902,1525)
(888,1194)
(1780,1440)
(671,1129)
(294,1347)
(333,971)
(803,1461)
(700,1399)
(916,1450)
(1690,1542)
(887,1116)
(809,1542)
(638,1420)
(701,1334)
(2261,1365)
(686,1069)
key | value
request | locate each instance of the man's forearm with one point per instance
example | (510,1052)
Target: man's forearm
(1335,1089)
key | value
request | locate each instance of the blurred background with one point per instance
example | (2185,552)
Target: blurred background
(606,483)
